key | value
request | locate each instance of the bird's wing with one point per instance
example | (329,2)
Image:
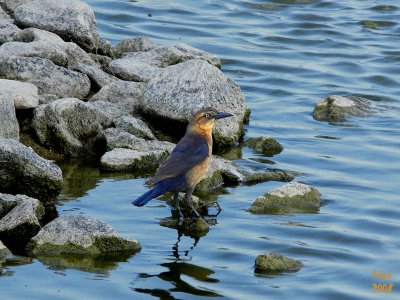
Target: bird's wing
(190,151)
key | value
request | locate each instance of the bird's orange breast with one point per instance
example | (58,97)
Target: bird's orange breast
(197,173)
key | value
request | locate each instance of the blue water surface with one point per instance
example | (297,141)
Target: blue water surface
(285,55)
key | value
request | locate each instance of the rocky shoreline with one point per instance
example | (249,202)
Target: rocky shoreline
(72,94)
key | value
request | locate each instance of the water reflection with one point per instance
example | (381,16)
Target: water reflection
(91,264)
(177,271)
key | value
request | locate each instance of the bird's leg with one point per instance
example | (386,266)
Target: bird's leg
(176,200)
(188,198)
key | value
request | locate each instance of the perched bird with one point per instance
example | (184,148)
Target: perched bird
(188,162)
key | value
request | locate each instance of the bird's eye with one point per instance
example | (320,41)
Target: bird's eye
(207,115)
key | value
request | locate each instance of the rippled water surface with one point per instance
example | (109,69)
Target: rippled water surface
(285,55)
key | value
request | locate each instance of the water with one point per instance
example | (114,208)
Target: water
(285,55)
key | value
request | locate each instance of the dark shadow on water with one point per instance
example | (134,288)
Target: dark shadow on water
(177,269)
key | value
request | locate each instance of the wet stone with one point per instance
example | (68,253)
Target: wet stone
(293,197)
(264,145)
(273,263)
(337,108)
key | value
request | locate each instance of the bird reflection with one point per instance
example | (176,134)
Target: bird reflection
(178,268)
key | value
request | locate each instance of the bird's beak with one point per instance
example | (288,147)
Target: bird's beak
(221,115)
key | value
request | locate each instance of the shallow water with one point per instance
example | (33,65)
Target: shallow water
(285,55)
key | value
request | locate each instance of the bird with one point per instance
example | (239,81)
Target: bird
(188,162)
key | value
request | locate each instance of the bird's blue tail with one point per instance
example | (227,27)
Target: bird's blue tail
(156,191)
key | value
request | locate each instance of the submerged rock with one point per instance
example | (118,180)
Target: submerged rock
(120,159)
(337,108)
(22,218)
(48,77)
(23,94)
(23,171)
(264,145)
(70,126)
(79,235)
(273,263)
(142,66)
(9,127)
(180,90)
(293,197)
(72,20)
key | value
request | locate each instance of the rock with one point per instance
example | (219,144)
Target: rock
(142,66)
(337,108)
(23,220)
(264,145)
(23,171)
(273,263)
(79,235)
(3,251)
(11,5)
(24,94)
(117,138)
(136,44)
(48,77)
(9,127)
(293,197)
(184,88)
(186,210)
(72,20)
(222,172)
(7,31)
(120,159)
(134,126)
(195,228)
(97,75)
(124,93)
(70,126)
(4,16)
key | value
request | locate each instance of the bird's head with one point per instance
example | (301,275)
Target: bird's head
(204,119)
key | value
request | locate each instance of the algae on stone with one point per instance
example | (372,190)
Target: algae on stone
(273,263)
(294,197)
(264,145)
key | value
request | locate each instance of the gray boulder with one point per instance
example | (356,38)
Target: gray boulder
(117,138)
(48,77)
(24,94)
(293,197)
(4,252)
(337,108)
(274,263)
(11,5)
(9,127)
(124,93)
(23,171)
(7,31)
(134,126)
(4,16)
(182,89)
(264,145)
(72,20)
(23,220)
(79,235)
(70,126)
(120,159)
(222,172)
(136,44)
(142,66)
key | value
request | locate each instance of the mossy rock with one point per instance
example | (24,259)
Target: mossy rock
(294,197)
(79,236)
(337,108)
(264,145)
(273,263)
